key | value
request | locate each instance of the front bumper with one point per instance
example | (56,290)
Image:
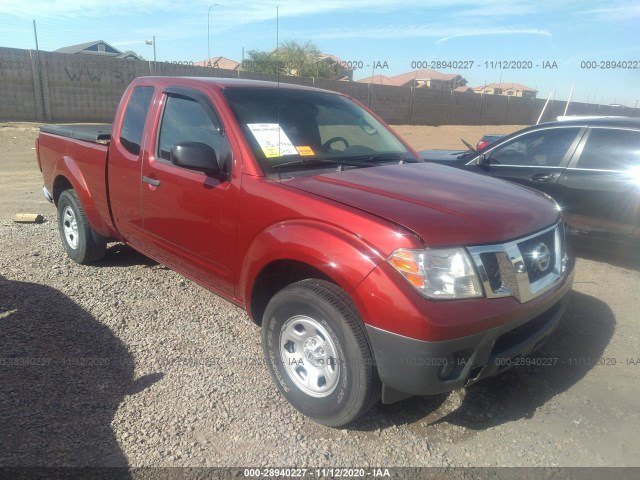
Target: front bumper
(409,366)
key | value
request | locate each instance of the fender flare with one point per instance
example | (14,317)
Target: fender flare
(339,254)
(66,168)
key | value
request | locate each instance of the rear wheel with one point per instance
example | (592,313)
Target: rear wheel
(318,353)
(82,244)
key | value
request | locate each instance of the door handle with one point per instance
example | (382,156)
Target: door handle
(151,181)
(543,177)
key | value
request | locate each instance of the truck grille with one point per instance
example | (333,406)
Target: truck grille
(523,268)
(531,252)
(492,268)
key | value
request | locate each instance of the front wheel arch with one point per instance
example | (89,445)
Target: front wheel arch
(274,277)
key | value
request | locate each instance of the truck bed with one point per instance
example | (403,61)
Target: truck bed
(80,151)
(96,133)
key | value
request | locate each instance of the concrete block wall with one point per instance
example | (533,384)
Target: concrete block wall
(18,85)
(466,108)
(359,91)
(494,112)
(519,111)
(430,107)
(392,104)
(87,88)
(59,87)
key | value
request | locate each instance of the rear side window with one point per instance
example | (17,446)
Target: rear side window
(611,149)
(134,119)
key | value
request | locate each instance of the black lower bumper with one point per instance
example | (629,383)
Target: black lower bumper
(415,367)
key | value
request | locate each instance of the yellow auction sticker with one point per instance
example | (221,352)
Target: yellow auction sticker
(305,151)
(271,152)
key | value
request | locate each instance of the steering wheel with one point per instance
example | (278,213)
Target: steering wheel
(328,143)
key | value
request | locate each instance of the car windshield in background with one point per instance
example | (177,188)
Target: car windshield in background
(292,130)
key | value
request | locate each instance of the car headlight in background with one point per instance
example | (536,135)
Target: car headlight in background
(438,273)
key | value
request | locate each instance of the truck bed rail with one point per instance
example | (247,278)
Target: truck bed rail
(96,133)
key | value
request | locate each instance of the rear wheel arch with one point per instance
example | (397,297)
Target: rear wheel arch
(60,184)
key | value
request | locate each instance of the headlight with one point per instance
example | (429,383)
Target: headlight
(438,273)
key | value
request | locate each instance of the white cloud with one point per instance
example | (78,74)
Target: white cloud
(480,33)
(615,13)
(443,33)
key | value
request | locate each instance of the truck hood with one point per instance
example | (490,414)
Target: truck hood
(444,206)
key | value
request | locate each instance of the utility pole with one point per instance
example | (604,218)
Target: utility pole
(39,67)
(208,32)
(35,34)
(153,42)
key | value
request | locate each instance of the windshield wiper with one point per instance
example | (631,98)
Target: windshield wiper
(356,161)
(384,157)
(333,161)
(468,152)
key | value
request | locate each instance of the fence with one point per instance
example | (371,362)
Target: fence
(60,87)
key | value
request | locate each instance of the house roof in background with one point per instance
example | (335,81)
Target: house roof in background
(82,46)
(332,59)
(423,74)
(377,79)
(404,78)
(222,62)
(518,87)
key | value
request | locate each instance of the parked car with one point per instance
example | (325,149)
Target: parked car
(591,167)
(373,274)
(487,139)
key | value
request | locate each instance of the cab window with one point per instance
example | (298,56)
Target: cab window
(186,120)
(135,117)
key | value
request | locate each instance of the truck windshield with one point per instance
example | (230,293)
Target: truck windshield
(291,129)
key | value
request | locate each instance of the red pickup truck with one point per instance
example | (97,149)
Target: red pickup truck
(372,274)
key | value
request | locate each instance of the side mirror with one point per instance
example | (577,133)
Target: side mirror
(484,160)
(197,156)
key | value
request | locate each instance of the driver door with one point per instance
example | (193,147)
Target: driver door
(190,217)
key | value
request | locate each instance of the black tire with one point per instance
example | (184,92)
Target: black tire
(353,373)
(82,244)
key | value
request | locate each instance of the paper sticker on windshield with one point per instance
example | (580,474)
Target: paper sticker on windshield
(305,151)
(272,139)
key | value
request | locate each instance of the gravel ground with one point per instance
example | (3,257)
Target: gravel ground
(127,363)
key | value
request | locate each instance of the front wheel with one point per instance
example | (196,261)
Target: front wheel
(82,244)
(318,354)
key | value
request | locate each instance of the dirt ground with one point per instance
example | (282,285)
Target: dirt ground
(583,411)
(20,178)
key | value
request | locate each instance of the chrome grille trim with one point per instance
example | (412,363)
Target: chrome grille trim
(514,277)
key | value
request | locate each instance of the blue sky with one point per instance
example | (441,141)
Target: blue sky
(396,32)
